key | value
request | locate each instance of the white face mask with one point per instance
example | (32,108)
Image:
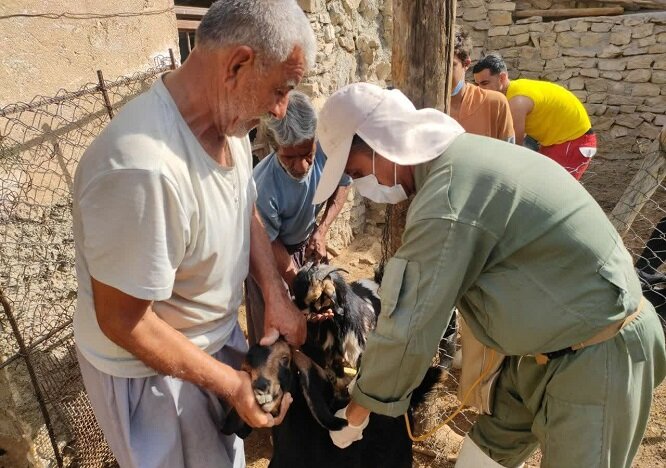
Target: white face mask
(369,187)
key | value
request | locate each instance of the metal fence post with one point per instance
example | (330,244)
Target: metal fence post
(105,94)
(173,59)
(25,353)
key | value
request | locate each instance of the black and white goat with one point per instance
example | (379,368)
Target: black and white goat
(355,307)
(277,369)
(315,378)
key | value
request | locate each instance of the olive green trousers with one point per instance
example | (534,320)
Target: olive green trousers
(586,409)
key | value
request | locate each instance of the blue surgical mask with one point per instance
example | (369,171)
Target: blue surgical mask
(458,87)
(369,187)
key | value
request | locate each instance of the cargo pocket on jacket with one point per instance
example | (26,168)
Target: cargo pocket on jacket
(389,292)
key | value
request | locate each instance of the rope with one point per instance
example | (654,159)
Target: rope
(423,437)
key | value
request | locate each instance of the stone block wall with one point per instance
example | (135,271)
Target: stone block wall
(616,65)
(555,4)
(353,44)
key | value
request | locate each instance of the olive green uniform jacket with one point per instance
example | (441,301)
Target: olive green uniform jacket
(534,266)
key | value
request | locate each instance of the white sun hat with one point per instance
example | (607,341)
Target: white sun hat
(387,121)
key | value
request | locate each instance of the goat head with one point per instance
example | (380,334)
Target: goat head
(272,372)
(314,288)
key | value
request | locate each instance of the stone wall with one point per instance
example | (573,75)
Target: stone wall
(555,4)
(616,65)
(353,44)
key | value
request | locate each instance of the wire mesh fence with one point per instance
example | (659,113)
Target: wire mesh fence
(40,145)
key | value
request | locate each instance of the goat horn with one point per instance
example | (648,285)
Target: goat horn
(325,271)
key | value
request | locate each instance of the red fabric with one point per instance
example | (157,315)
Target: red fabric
(568,155)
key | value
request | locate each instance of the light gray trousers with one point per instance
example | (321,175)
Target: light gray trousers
(162,421)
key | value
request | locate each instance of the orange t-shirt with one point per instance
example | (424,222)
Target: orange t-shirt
(485,112)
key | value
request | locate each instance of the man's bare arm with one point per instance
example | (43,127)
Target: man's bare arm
(281,315)
(285,264)
(520,107)
(317,242)
(132,324)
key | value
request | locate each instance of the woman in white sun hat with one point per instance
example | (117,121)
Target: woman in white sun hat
(532,263)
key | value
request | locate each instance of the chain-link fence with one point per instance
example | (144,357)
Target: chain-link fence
(40,145)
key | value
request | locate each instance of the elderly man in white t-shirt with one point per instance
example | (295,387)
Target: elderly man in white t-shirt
(166,231)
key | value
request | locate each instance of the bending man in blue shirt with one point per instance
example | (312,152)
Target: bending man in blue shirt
(286,182)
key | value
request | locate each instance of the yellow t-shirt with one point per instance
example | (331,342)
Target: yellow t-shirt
(557,116)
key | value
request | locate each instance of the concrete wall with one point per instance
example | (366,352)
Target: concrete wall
(63,42)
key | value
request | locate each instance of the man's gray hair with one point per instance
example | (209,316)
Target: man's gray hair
(272,28)
(298,125)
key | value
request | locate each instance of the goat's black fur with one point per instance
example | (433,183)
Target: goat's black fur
(299,442)
(302,440)
(301,377)
(355,307)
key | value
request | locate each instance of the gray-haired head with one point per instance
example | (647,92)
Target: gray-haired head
(493,62)
(298,126)
(272,28)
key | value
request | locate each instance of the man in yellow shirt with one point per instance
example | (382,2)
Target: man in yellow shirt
(545,111)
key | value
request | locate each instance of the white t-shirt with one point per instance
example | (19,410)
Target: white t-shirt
(157,218)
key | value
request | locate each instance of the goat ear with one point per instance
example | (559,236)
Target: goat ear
(233,424)
(314,385)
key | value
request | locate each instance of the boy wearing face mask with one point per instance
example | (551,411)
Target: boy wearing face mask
(286,182)
(478,111)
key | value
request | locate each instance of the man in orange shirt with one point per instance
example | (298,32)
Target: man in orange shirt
(545,111)
(479,111)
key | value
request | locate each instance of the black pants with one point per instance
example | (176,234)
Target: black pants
(647,267)
(654,254)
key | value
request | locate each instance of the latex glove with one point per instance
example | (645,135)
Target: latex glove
(349,434)
(351,385)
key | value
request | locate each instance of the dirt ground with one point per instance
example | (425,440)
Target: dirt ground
(440,449)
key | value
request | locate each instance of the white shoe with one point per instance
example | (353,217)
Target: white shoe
(471,456)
